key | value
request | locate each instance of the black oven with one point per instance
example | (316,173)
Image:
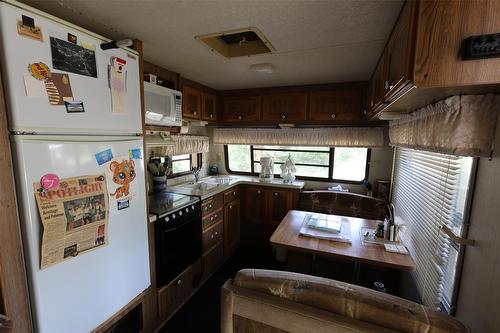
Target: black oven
(178,242)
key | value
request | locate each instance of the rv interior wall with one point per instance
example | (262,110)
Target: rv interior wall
(477,299)
(192,130)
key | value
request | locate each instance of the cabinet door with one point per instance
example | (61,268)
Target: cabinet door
(279,203)
(284,107)
(212,259)
(208,107)
(336,105)
(255,205)
(245,108)
(399,52)
(376,90)
(175,293)
(191,102)
(231,227)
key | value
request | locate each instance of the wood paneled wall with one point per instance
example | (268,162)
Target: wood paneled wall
(13,282)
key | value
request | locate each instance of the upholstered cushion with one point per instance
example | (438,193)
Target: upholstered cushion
(349,301)
(343,203)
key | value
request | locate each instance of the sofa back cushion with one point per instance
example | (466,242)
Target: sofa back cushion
(349,301)
(343,203)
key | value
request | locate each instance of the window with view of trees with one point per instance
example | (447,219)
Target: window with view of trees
(322,163)
(181,164)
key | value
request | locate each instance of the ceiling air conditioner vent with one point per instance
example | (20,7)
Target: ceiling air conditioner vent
(237,43)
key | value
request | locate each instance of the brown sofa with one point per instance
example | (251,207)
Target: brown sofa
(343,203)
(275,301)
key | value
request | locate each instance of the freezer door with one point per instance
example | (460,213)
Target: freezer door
(82,292)
(35,114)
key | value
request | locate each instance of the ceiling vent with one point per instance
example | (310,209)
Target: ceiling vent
(238,43)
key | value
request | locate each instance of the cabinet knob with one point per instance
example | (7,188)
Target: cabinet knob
(333,116)
(275,194)
(283,116)
(240,117)
(195,113)
(216,233)
(211,115)
(210,206)
(259,192)
(211,218)
(234,193)
(179,282)
(230,206)
(212,236)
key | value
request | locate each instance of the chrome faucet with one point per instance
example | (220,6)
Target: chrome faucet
(196,174)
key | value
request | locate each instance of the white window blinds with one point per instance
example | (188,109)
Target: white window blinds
(431,190)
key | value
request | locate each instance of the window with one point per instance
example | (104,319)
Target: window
(432,190)
(320,163)
(181,164)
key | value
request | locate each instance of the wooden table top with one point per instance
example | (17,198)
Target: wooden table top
(287,236)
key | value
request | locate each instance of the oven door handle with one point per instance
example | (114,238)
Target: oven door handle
(179,226)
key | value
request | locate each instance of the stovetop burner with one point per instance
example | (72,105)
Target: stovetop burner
(166,202)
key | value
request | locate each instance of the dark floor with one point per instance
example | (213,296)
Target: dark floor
(202,312)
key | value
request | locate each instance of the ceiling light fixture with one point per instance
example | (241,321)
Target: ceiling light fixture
(266,68)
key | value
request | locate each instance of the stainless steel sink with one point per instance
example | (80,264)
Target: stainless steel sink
(202,186)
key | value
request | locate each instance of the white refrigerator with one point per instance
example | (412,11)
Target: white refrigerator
(81,292)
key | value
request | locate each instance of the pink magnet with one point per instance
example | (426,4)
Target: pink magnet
(49,181)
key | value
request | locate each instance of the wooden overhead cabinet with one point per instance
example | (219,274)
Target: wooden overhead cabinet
(336,105)
(422,61)
(191,102)
(376,90)
(284,107)
(397,58)
(208,107)
(241,108)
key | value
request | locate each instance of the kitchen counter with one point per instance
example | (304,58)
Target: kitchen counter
(218,184)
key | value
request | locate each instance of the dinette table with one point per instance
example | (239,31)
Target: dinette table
(288,236)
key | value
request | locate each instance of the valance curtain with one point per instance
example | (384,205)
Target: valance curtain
(366,137)
(459,125)
(184,144)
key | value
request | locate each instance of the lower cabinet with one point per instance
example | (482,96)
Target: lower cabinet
(212,259)
(213,247)
(179,290)
(231,227)
(263,209)
(279,203)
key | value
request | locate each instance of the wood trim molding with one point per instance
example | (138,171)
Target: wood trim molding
(149,297)
(13,282)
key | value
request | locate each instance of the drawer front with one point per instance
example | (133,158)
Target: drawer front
(212,260)
(212,236)
(212,204)
(212,219)
(231,195)
(171,296)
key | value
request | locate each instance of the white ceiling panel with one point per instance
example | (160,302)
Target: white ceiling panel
(316,41)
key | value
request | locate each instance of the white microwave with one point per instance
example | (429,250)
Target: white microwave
(163,105)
